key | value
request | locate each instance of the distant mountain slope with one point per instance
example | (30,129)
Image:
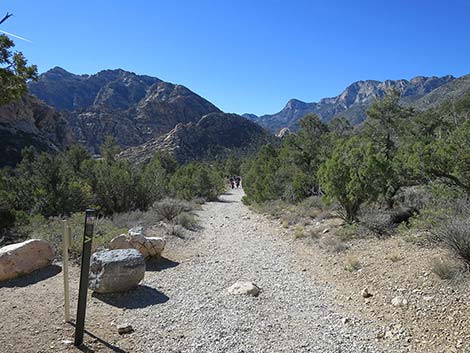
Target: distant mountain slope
(132,108)
(452,91)
(353,102)
(214,135)
(30,122)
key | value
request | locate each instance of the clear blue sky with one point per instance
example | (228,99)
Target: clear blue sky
(248,55)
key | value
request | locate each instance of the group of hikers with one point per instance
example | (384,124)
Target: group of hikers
(235,181)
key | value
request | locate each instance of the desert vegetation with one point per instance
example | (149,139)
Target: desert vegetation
(401,172)
(46,188)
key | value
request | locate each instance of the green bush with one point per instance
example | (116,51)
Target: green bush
(196,180)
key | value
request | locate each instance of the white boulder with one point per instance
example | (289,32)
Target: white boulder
(116,270)
(244,288)
(148,246)
(23,258)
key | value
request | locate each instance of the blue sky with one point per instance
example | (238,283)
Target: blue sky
(248,56)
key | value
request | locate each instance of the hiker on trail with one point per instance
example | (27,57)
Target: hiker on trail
(232,182)
(237,181)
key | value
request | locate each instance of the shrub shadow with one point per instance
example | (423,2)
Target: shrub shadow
(140,297)
(161,264)
(33,277)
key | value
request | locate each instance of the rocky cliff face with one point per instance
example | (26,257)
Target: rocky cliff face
(30,122)
(132,108)
(353,102)
(214,135)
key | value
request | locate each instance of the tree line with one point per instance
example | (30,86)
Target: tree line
(71,181)
(395,148)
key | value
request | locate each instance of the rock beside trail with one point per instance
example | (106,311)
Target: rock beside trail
(116,270)
(23,258)
(399,301)
(244,288)
(135,239)
(366,294)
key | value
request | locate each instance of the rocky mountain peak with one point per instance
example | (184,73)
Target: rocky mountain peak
(132,108)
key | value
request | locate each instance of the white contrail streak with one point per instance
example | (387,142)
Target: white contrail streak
(14,35)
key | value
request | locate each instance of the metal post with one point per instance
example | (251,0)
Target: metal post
(82,293)
(66,241)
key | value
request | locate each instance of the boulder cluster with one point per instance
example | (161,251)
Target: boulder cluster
(118,269)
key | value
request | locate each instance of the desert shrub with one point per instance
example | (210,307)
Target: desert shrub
(376,221)
(52,230)
(129,219)
(455,234)
(352,264)
(348,231)
(275,208)
(355,174)
(334,244)
(186,220)
(176,230)
(444,268)
(169,209)
(299,232)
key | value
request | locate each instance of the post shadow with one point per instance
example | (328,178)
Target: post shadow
(84,348)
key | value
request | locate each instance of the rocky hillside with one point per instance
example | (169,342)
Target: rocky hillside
(30,122)
(214,135)
(353,102)
(132,108)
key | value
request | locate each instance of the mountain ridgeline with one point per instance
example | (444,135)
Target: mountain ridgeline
(145,114)
(131,108)
(420,92)
(216,134)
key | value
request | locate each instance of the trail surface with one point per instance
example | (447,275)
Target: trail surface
(196,314)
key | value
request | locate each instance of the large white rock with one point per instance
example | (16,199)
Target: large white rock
(26,257)
(116,270)
(148,246)
(244,288)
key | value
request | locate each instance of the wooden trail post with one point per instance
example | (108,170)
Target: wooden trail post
(66,242)
(90,216)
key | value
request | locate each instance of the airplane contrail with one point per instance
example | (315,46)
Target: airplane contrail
(14,35)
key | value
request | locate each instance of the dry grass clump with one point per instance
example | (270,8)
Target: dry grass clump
(334,244)
(455,235)
(352,264)
(299,232)
(394,257)
(444,268)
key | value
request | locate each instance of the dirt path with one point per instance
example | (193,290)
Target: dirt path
(195,313)
(183,305)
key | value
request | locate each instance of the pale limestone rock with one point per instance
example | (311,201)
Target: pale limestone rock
(244,288)
(26,257)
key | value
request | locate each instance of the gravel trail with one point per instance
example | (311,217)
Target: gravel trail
(196,314)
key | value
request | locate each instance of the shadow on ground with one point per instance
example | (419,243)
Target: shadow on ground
(84,348)
(159,265)
(139,297)
(33,277)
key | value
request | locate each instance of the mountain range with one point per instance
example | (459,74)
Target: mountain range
(145,114)
(420,92)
